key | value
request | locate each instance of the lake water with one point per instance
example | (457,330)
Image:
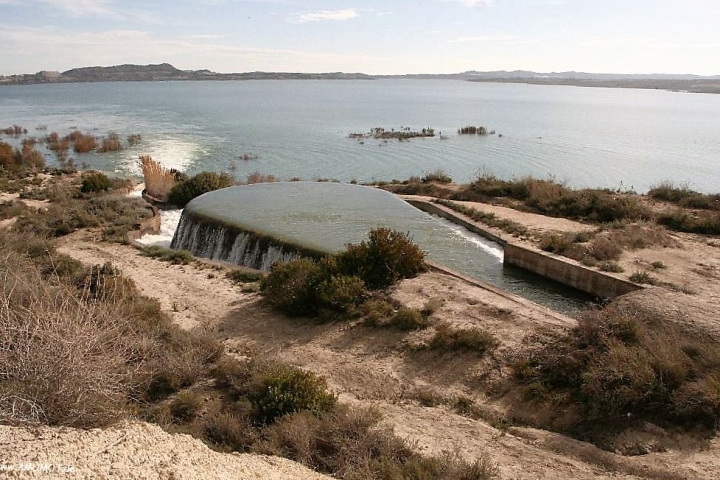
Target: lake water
(587,137)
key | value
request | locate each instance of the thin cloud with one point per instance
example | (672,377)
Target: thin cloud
(383,14)
(471,3)
(617,41)
(326,16)
(495,39)
(83,8)
(114,47)
(105,9)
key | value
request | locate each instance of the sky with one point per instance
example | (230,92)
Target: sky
(368,36)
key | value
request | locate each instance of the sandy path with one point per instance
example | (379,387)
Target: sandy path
(537,224)
(194,296)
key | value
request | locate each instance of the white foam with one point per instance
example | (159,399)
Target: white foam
(488,246)
(169,220)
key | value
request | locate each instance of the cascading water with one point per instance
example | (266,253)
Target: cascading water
(258,225)
(227,244)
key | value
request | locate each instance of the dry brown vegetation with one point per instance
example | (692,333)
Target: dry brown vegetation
(158,179)
(111,143)
(80,346)
(621,367)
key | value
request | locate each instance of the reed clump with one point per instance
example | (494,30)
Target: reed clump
(158,179)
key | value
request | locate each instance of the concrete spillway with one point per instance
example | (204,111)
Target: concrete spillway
(258,225)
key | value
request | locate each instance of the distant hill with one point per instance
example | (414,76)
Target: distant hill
(165,72)
(124,73)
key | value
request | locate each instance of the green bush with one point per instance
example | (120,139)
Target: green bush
(292,286)
(94,182)
(341,293)
(386,257)
(338,283)
(286,389)
(176,257)
(244,276)
(642,276)
(182,192)
(707,223)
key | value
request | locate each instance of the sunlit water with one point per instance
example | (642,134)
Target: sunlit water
(615,138)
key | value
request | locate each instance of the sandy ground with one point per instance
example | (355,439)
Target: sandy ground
(131,451)
(388,369)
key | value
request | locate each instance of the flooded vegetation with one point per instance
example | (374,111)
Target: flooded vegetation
(403,133)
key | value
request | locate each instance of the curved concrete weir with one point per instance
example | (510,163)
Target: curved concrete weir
(257,225)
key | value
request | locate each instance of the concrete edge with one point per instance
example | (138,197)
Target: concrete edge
(555,267)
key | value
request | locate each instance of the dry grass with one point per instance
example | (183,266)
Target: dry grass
(63,360)
(158,179)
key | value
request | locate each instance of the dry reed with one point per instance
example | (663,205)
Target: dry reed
(158,179)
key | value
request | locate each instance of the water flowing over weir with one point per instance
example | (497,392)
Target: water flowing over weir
(258,225)
(206,238)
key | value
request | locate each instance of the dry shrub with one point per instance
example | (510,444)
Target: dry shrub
(11,208)
(641,235)
(257,177)
(406,319)
(377,311)
(228,431)
(447,339)
(604,249)
(438,175)
(186,405)
(352,444)
(77,344)
(158,180)
(64,361)
(82,143)
(624,366)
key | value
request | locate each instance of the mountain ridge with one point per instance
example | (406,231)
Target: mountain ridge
(167,72)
